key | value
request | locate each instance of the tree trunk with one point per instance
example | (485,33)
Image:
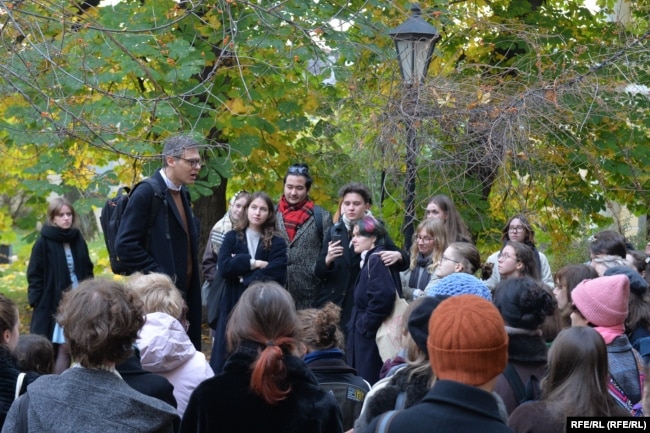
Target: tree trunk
(209,209)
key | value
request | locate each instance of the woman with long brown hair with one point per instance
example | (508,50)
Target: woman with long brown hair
(265,385)
(253,251)
(575,385)
(519,229)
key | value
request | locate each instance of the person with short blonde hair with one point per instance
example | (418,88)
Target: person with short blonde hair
(158,294)
(165,348)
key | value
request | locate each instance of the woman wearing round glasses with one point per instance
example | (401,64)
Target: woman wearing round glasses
(426,252)
(518,229)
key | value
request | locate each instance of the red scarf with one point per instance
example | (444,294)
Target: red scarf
(295,216)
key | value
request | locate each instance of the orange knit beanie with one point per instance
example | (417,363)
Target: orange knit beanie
(467,340)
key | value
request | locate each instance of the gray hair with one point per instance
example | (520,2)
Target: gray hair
(176,145)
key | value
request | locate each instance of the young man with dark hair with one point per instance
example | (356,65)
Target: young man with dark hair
(338,265)
(304,224)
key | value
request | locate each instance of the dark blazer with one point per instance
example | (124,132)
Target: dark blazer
(374,299)
(338,280)
(449,407)
(48,275)
(167,255)
(226,404)
(234,263)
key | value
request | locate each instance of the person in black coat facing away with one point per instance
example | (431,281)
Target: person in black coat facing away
(374,298)
(170,246)
(59,261)
(253,251)
(12,381)
(325,358)
(265,386)
(468,349)
(338,264)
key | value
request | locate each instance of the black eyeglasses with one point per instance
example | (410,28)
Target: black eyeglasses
(192,162)
(447,258)
(298,170)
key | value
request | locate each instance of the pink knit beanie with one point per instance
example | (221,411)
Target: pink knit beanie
(603,301)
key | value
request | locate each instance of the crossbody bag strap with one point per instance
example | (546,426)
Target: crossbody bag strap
(19,384)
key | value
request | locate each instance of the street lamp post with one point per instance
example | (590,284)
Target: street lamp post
(415,40)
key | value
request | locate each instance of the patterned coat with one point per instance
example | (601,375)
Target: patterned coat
(303,253)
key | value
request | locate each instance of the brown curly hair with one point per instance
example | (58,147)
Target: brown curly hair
(100,321)
(320,330)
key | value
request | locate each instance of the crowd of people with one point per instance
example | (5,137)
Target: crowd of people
(295,298)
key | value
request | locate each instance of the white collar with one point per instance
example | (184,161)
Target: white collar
(168,182)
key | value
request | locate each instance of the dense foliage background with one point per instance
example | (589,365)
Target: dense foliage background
(530,106)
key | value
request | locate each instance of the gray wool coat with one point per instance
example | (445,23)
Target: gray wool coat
(92,401)
(303,252)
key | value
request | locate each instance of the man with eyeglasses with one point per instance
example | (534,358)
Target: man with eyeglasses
(170,244)
(304,224)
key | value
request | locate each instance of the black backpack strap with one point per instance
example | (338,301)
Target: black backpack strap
(155,208)
(317,213)
(515,382)
(318,216)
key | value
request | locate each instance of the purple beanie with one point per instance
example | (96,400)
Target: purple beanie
(603,301)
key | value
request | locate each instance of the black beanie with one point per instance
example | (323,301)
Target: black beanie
(418,323)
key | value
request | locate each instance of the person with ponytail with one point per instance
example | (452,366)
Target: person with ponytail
(265,385)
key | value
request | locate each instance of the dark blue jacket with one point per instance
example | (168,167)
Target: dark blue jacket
(449,407)
(374,299)
(166,254)
(234,263)
(338,280)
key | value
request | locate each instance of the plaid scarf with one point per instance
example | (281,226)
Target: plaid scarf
(295,216)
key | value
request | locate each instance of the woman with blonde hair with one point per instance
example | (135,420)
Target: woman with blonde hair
(165,348)
(429,242)
(265,386)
